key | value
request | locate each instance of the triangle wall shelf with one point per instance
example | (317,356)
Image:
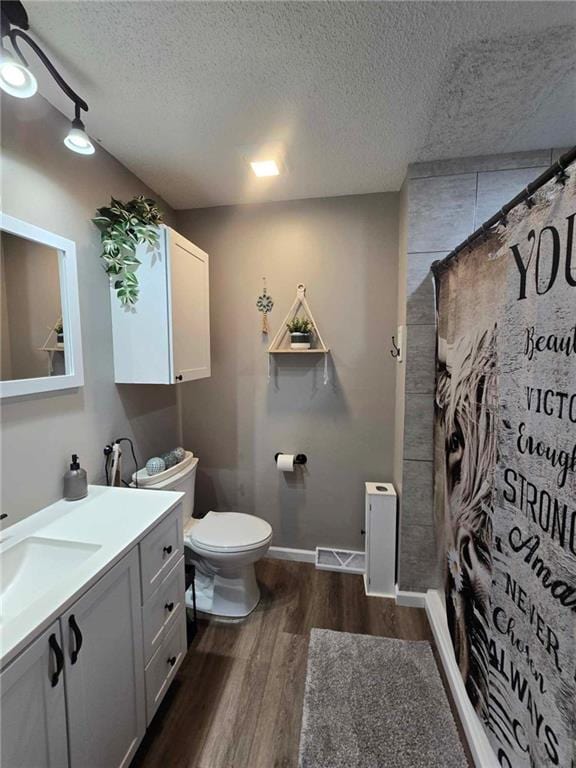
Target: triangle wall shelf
(281,342)
(299,308)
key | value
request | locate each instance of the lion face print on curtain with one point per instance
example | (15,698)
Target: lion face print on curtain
(505,468)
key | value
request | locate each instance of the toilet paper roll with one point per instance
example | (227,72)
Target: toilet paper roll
(285,462)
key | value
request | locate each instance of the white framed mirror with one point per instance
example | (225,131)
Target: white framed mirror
(41,343)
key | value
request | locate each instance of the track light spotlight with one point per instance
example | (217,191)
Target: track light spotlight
(77,139)
(15,77)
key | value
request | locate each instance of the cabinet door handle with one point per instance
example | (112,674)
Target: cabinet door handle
(171,660)
(168,550)
(179,378)
(59,656)
(169,607)
(77,639)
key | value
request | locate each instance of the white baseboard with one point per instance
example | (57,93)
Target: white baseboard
(410,599)
(480,747)
(285,553)
(371,593)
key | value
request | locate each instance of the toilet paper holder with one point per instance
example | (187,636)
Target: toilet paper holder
(300,458)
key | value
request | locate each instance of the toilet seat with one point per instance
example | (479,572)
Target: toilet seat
(229,532)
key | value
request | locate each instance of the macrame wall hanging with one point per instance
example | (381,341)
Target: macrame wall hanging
(264,304)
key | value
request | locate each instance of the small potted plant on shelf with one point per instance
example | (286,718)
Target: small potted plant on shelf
(300,330)
(59,331)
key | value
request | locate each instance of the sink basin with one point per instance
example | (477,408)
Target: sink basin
(32,567)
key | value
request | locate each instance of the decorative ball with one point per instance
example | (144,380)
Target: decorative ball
(169,459)
(180,453)
(155,465)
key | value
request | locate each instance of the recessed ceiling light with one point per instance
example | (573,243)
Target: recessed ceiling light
(265,168)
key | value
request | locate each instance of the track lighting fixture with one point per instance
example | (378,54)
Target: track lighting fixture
(17,80)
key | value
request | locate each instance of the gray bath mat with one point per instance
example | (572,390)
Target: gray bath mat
(372,702)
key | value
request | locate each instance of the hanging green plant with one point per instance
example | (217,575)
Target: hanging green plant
(124,226)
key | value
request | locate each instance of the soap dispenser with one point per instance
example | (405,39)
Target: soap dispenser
(75,481)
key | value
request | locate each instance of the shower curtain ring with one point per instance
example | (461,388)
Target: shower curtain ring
(562,176)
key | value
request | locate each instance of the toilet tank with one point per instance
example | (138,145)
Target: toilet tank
(181,477)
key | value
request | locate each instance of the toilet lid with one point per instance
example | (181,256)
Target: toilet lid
(230,530)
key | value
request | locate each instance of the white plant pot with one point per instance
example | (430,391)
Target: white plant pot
(300,340)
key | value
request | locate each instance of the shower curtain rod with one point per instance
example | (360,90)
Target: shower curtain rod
(558,169)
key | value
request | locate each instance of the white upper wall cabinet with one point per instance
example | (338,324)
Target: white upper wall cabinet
(165,337)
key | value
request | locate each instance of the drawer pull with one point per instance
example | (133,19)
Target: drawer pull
(171,660)
(169,607)
(77,639)
(167,550)
(57,651)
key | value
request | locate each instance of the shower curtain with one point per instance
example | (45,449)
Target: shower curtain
(505,475)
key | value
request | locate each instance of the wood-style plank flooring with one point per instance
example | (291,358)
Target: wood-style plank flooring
(237,699)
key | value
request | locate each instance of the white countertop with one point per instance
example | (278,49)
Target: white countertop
(114,519)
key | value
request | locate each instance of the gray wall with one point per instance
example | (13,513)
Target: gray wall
(345,250)
(49,186)
(445,202)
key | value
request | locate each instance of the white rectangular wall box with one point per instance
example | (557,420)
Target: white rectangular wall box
(380,576)
(165,337)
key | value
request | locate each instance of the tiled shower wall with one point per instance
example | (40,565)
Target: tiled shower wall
(441,204)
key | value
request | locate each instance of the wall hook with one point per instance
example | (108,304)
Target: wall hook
(396,351)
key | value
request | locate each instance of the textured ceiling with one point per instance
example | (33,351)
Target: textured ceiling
(354,91)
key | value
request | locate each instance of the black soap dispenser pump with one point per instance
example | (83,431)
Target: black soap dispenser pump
(75,481)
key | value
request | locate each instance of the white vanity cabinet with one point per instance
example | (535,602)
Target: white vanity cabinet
(165,337)
(33,706)
(81,693)
(105,669)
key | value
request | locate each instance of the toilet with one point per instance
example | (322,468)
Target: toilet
(222,545)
